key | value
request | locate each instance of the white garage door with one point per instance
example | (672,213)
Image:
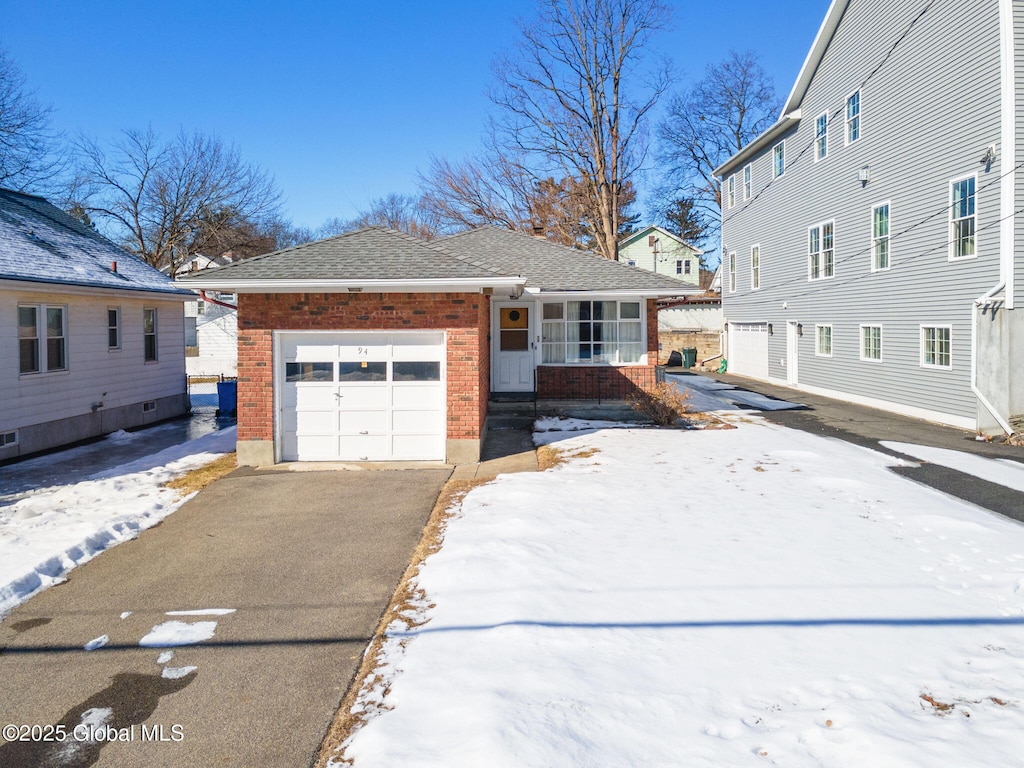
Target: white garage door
(362,396)
(748,349)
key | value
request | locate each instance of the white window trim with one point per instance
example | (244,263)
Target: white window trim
(781,172)
(156,336)
(831,340)
(818,157)
(747,182)
(936,326)
(732,272)
(120,332)
(821,241)
(42,337)
(755,275)
(952,220)
(731,185)
(871,238)
(860,117)
(881,343)
(564,320)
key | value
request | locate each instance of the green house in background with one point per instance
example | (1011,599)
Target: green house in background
(658,250)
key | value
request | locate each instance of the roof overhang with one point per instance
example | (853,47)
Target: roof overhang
(432,285)
(791,109)
(685,289)
(44,286)
(780,127)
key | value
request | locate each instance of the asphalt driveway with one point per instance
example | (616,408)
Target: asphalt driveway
(869,427)
(285,575)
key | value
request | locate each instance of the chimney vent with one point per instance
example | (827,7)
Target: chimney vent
(113,266)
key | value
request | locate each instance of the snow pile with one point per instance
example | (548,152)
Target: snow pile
(174,633)
(756,596)
(51,530)
(707,394)
(563,424)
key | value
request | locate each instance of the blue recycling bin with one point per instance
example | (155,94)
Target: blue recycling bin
(227,397)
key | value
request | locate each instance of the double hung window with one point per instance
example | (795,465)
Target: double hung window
(778,159)
(821,137)
(871,342)
(821,255)
(963,222)
(880,237)
(149,338)
(853,117)
(823,340)
(42,338)
(936,346)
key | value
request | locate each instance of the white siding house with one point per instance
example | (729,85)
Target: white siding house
(92,337)
(876,257)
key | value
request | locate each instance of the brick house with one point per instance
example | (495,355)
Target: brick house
(374,345)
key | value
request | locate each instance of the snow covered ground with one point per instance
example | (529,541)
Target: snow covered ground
(756,596)
(46,531)
(707,394)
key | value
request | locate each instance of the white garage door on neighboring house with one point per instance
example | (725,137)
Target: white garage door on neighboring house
(748,349)
(361,396)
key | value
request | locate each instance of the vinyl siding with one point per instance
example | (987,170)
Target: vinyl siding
(669,252)
(926,117)
(94,373)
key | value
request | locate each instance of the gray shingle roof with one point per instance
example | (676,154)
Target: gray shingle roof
(373,253)
(376,253)
(40,243)
(551,267)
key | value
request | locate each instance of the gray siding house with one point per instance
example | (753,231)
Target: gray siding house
(870,249)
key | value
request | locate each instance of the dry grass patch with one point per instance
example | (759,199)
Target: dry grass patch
(549,457)
(197,479)
(406,607)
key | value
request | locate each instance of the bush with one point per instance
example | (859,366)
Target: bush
(663,404)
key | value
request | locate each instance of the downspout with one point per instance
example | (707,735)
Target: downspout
(980,303)
(206,298)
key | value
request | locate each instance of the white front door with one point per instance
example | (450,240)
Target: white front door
(362,396)
(512,341)
(792,354)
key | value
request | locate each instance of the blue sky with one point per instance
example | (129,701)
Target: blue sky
(340,101)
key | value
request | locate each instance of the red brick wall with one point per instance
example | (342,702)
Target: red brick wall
(593,382)
(464,316)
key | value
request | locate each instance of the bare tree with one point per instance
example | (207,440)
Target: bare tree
(499,189)
(405,213)
(167,200)
(573,98)
(30,152)
(717,117)
(496,189)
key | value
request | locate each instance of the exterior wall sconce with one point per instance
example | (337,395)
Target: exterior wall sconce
(989,156)
(799,329)
(864,175)
(771,330)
